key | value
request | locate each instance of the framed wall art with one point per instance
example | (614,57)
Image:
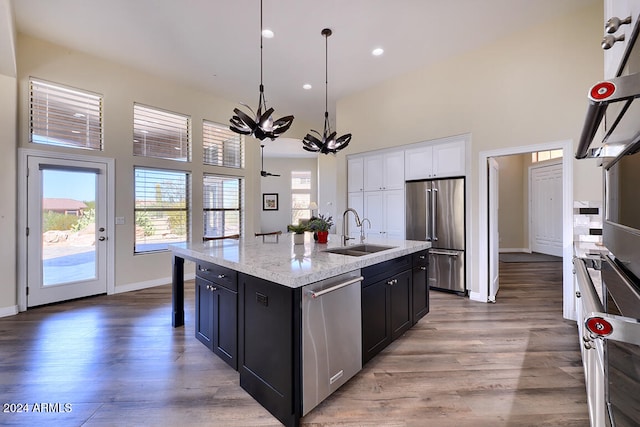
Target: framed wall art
(269,201)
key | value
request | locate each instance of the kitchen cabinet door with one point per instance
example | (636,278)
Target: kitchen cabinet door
(418,163)
(438,160)
(393,216)
(355,174)
(449,159)
(419,285)
(384,171)
(204,312)
(376,329)
(374,211)
(225,325)
(401,305)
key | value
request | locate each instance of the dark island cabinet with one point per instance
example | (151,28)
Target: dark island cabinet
(217,311)
(270,346)
(386,304)
(420,286)
(394,297)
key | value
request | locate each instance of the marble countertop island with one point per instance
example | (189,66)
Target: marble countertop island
(277,259)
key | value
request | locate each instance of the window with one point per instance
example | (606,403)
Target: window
(541,156)
(222,202)
(161,134)
(222,147)
(65,117)
(162,209)
(300,196)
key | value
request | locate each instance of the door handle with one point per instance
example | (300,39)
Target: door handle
(428,213)
(102,238)
(434,213)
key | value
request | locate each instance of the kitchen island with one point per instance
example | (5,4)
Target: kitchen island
(267,306)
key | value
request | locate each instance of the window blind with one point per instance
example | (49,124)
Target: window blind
(222,147)
(161,134)
(162,208)
(65,117)
(222,203)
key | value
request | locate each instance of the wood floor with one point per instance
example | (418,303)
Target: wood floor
(116,361)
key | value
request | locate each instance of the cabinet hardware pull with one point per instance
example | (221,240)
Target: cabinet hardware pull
(336,287)
(203,269)
(221,276)
(392,282)
(423,268)
(213,289)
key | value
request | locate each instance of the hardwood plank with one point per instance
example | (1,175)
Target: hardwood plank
(118,361)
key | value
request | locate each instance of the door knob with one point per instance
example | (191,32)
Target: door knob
(101,229)
(102,238)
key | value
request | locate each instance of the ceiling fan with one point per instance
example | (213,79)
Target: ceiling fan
(262,171)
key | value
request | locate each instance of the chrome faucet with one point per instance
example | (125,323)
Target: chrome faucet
(362,228)
(344,224)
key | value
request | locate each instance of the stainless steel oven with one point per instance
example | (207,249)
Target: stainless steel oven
(609,323)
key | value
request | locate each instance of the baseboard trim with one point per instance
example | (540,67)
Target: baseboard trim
(149,284)
(12,310)
(509,250)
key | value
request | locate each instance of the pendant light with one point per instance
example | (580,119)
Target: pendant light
(329,143)
(263,126)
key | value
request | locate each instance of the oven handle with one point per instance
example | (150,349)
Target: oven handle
(586,289)
(597,322)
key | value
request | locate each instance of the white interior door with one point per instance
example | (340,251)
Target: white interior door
(494,237)
(545,209)
(66,223)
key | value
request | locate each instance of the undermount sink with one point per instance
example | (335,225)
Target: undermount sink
(358,250)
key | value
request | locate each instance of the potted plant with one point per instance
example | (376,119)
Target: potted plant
(298,229)
(321,225)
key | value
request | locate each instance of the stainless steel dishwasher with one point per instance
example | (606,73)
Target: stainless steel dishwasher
(331,336)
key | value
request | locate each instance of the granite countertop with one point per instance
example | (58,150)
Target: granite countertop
(277,259)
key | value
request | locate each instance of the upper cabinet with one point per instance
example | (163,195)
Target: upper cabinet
(621,19)
(384,171)
(435,161)
(355,174)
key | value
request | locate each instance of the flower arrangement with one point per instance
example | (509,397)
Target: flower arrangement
(321,223)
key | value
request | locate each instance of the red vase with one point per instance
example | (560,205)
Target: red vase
(322,236)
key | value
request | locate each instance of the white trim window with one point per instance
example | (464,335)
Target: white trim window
(161,134)
(162,208)
(221,146)
(64,116)
(222,205)
(300,196)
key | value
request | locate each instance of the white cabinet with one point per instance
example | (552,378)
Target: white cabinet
(384,171)
(385,211)
(435,161)
(620,10)
(355,174)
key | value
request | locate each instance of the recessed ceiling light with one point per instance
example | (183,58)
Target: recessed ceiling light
(377,51)
(267,33)
(306,86)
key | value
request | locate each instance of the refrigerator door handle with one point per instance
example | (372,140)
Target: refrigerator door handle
(427,219)
(434,213)
(441,252)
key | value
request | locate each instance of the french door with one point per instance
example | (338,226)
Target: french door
(66,229)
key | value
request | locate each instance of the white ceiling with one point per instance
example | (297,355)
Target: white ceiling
(214,45)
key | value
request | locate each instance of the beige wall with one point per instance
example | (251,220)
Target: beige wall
(278,220)
(528,88)
(8,112)
(121,88)
(512,198)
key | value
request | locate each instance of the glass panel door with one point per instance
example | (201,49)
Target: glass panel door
(66,208)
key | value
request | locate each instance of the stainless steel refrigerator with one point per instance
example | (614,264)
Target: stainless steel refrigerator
(435,212)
